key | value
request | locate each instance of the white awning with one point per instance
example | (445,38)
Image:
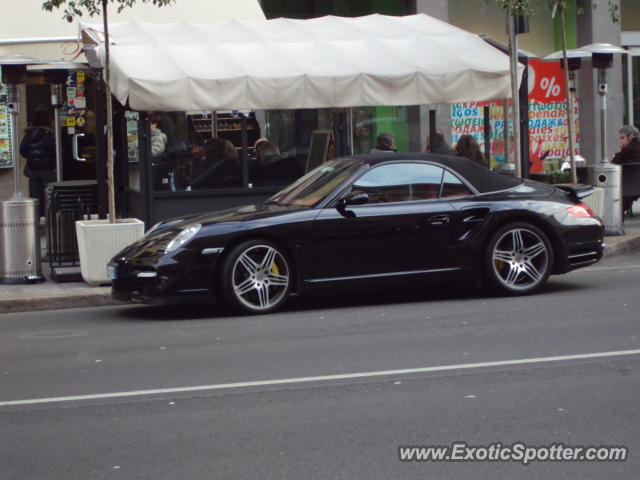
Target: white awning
(27,29)
(317,63)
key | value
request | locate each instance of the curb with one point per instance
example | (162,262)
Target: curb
(623,245)
(57,302)
(101,296)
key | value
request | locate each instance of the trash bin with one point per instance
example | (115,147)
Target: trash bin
(608,176)
(19,241)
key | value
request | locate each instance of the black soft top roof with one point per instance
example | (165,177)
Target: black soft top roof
(483,179)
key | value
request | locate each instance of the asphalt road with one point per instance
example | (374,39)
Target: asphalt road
(329,388)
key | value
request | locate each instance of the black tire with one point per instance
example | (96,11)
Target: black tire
(518,259)
(255,277)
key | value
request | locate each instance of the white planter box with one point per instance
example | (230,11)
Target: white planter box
(99,241)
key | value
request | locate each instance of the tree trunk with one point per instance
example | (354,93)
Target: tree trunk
(515,100)
(565,65)
(107,71)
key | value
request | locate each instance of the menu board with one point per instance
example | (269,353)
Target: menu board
(318,148)
(6,160)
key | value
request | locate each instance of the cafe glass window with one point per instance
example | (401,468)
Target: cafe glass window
(203,150)
(369,122)
(195,151)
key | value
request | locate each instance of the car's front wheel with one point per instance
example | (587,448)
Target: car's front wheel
(518,259)
(256,277)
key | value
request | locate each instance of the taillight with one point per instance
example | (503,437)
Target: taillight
(581,210)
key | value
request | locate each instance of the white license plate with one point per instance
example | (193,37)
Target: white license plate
(111,272)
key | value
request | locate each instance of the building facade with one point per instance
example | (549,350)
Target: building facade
(159,189)
(590,23)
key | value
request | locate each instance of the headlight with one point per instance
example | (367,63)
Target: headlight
(183,237)
(152,229)
(162,224)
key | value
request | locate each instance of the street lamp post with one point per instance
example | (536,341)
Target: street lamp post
(516,24)
(574,62)
(14,72)
(606,174)
(19,215)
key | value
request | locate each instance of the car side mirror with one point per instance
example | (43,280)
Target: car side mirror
(355,198)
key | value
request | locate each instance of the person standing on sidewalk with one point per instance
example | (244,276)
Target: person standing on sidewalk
(38,146)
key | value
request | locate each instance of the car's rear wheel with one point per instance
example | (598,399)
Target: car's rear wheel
(256,277)
(518,259)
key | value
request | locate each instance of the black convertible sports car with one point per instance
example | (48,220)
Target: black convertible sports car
(363,221)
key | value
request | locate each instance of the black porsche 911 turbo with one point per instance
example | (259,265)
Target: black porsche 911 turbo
(367,221)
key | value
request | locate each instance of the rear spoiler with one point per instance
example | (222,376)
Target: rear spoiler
(577,191)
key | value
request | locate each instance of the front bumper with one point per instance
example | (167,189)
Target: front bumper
(163,278)
(163,299)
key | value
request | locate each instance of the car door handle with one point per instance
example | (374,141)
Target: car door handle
(439,220)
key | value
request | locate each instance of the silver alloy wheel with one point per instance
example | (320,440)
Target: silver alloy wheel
(260,277)
(520,259)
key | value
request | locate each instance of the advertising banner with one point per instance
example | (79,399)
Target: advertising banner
(548,131)
(548,128)
(6,160)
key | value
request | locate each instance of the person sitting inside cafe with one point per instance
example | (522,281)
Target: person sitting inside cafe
(267,153)
(468,147)
(438,144)
(273,169)
(629,145)
(221,167)
(158,137)
(384,143)
(629,152)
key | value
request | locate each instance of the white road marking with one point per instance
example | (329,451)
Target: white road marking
(321,378)
(53,334)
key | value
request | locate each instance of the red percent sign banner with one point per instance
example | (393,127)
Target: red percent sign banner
(548,132)
(548,122)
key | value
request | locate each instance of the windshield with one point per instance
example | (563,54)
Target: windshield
(310,189)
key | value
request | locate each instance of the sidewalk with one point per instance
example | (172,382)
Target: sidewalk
(50,295)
